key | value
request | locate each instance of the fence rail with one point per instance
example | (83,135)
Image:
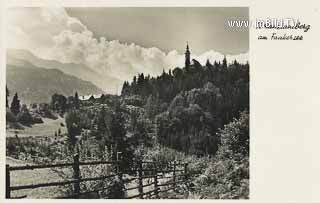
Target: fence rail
(177,172)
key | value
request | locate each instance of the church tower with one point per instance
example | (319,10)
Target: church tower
(187,57)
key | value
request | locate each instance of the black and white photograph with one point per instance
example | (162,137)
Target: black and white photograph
(127,103)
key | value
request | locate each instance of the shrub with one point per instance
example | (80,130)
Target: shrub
(227,175)
(11,147)
(116,189)
(225,179)
(134,100)
(45,111)
(235,138)
(10,117)
(36,119)
(162,154)
(24,117)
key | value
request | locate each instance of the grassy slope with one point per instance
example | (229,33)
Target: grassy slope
(47,128)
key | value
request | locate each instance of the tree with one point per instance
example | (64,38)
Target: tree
(208,64)
(140,79)
(24,117)
(118,138)
(235,137)
(7,95)
(152,106)
(91,98)
(101,124)
(59,102)
(76,101)
(216,64)
(117,129)
(177,72)
(224,62)
(15,105)
(73,125)
(134,82)
(125,86)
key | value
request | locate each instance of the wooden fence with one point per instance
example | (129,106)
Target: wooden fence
(177,171)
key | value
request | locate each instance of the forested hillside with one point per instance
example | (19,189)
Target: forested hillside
(189,105)
(20,58)
(37,85)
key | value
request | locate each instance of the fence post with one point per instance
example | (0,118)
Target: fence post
(186,171)
(76,175)
(156,188)
(140,179)
(174,175)
(8,193)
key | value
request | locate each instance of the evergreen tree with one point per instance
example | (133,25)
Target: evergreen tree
(208,64)
(119,140)
(7,95)
(91,98)
(15,105)
(73,125)
(125,89)
(141,79)
(216,64)
(224,62)
(134,82)
(76,96)
(235,62)
(76,101)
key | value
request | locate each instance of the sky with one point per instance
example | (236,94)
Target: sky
(169,28)
(121,42)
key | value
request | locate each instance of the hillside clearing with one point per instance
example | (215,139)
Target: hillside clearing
(46,129)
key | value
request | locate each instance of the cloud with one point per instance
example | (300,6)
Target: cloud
(34,28)
(52,34)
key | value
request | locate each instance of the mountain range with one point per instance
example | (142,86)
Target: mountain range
(36,79)
(107,83)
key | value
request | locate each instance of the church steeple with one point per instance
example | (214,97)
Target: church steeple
(187,57)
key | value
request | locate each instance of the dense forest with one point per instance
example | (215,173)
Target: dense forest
(189,105)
